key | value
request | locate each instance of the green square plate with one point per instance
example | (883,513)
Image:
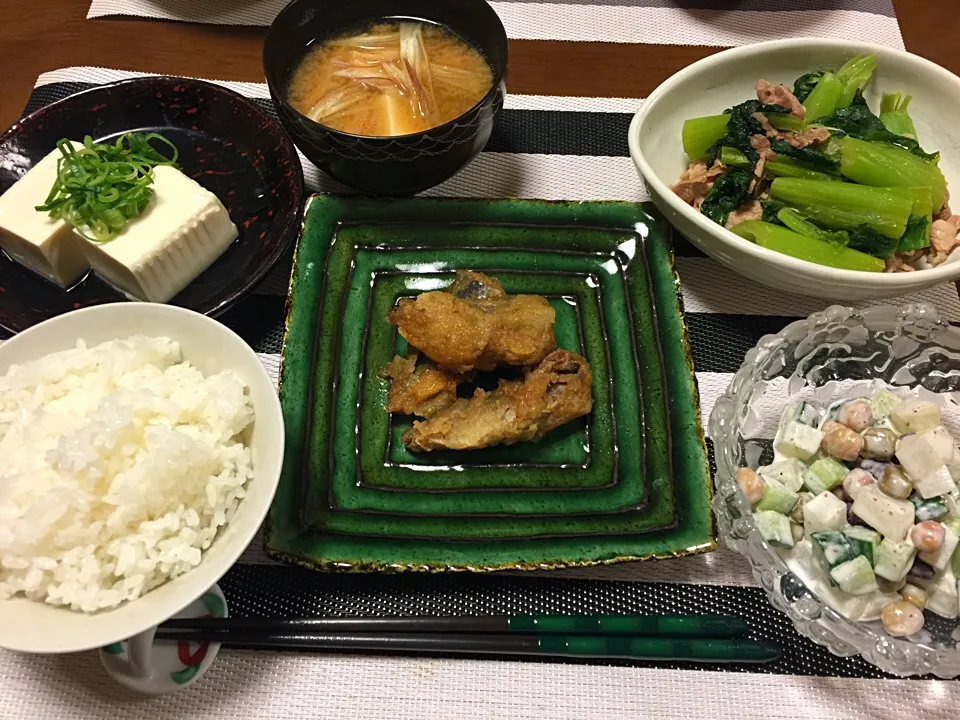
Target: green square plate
(618,455)
(537,237)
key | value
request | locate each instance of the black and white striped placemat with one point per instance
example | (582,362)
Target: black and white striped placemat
(556,147)
(652,22)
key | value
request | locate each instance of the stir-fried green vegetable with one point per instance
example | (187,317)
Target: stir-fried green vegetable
(731,157)
(917,234)
(805,84)
(825,93)
(700,134)
(824,99)
(857,121)
(841,186)
(782,240)
(894,116)
(742,126)
(854,76)
(883,165)
(793,220)
(813,159)
(100,187)
(728,192)
(845,206)
(786,167)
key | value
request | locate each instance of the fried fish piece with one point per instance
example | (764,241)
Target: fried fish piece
(420,389)
(552,394)
(473,324)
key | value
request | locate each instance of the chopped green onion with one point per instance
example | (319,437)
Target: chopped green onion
(100,187)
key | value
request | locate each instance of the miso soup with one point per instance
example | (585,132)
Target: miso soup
(390,79)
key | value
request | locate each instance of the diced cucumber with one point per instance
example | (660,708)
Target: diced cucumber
(890,517)
(864,541)
(915,416)
(942,596)
(825,512)
(825,474)
(855,577)
(808,415)
(777,497)
(791,413)
(831,548)
(941,558)
(774,528)
(790,472)
(894,559)
(797,440)
(882,403)
(932,509)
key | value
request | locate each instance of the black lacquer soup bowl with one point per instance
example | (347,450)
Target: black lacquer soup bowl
(401,165)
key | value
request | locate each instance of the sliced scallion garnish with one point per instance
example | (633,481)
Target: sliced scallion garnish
(100,187)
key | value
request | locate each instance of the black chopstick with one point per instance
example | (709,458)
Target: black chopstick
(695,626)
(714,650)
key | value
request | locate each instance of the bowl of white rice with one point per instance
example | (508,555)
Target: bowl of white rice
(141,447)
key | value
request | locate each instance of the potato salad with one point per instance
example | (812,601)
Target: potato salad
(861,502)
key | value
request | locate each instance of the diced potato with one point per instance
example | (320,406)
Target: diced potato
(923,465)
(915,416)
(825,512)
(798,441)
(789,472)
(890,517)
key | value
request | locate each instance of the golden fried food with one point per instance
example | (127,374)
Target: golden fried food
(473,324)
(421,389)
(555,392)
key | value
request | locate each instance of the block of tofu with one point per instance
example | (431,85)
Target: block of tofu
(48,247)
(183,229)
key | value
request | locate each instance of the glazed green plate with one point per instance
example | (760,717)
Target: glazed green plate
(630,481)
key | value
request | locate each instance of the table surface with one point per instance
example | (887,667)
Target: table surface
(61,36)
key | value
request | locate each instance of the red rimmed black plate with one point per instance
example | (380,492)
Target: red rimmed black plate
(226,143)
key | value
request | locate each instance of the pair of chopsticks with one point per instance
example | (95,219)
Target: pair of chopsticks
(695,638)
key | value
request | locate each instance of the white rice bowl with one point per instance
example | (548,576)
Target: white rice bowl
(120,465)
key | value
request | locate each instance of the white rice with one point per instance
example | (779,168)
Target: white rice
(118,465)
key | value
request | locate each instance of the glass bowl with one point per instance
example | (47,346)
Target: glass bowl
(834,354)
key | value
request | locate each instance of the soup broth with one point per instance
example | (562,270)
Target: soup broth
(391,79)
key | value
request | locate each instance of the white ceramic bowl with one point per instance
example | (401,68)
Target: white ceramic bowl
(31,626)
(718,82)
